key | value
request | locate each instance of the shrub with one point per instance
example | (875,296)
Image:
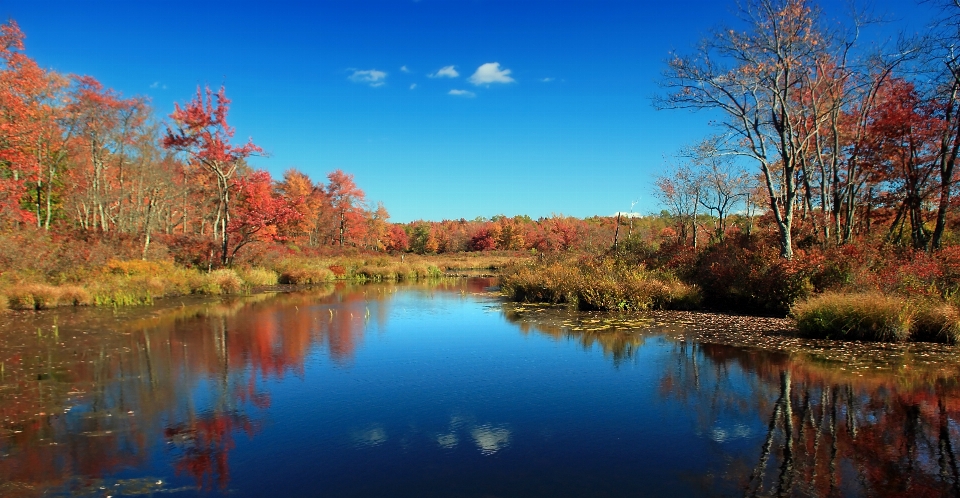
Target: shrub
(135,267)
(937,322)
(740,273)
(871,317)
(3,302)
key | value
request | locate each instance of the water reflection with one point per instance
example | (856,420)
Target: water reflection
(159,400)
(615,334)
(85,393)
(828,431)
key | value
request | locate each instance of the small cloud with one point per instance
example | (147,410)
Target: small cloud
(445,72)
(491,73)
(462,93)
(413,86)
(156,84)
(370,77)
(546,80)
(404,69)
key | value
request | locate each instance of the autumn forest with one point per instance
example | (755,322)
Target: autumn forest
(177,315)
(833,158)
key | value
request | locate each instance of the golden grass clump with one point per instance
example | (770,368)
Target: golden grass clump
(258,277)
(937,322)
(33,297)
(227,280)
(596,285)
(75,295)
(376,273)
(305,275)
(3,303)
(865,316)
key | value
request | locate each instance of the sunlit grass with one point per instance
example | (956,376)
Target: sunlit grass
(258,277)
(937,322)
(137,282)
(596,284)
(866,316)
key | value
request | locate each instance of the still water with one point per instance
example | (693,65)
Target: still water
(443,390)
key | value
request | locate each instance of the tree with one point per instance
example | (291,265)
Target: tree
(260,210)
(755,78)
(201,131)
(105,126)
(721,184)
(680,189)
(347,202)
(31,137)
(396,239)
(902,147)
(943,60)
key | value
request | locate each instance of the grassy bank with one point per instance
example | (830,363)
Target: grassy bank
(877,317)
(596,283)
(878,303)
(135,282)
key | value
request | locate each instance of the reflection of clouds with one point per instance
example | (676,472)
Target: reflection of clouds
(721,435)
(490,439)
(373,436)
(448,441)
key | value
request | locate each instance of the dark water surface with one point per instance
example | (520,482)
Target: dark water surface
(442,390)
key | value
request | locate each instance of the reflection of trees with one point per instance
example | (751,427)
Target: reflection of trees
(619,338)
(203,444)
(93,393)
(827,433)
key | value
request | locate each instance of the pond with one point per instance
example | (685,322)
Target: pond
(441,389)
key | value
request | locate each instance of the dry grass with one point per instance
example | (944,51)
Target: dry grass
(33,296)
(596,285)
(75,295)
(227,280)
(867,316)
(937,322)
(134,282)
(258,277)
(305,275)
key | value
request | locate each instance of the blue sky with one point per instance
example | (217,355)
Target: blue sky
(549,111)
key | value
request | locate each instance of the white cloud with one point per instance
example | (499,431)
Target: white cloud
(462,93)
(546,80)
(370,77)
(404,69)
(491,73)
(413,86)
(445,72)
(156,84)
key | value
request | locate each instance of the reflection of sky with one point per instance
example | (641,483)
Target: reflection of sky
(436,391)
(444,380)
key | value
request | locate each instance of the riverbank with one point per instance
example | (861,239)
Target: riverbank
(138,282)
(618,332)
(871,305)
